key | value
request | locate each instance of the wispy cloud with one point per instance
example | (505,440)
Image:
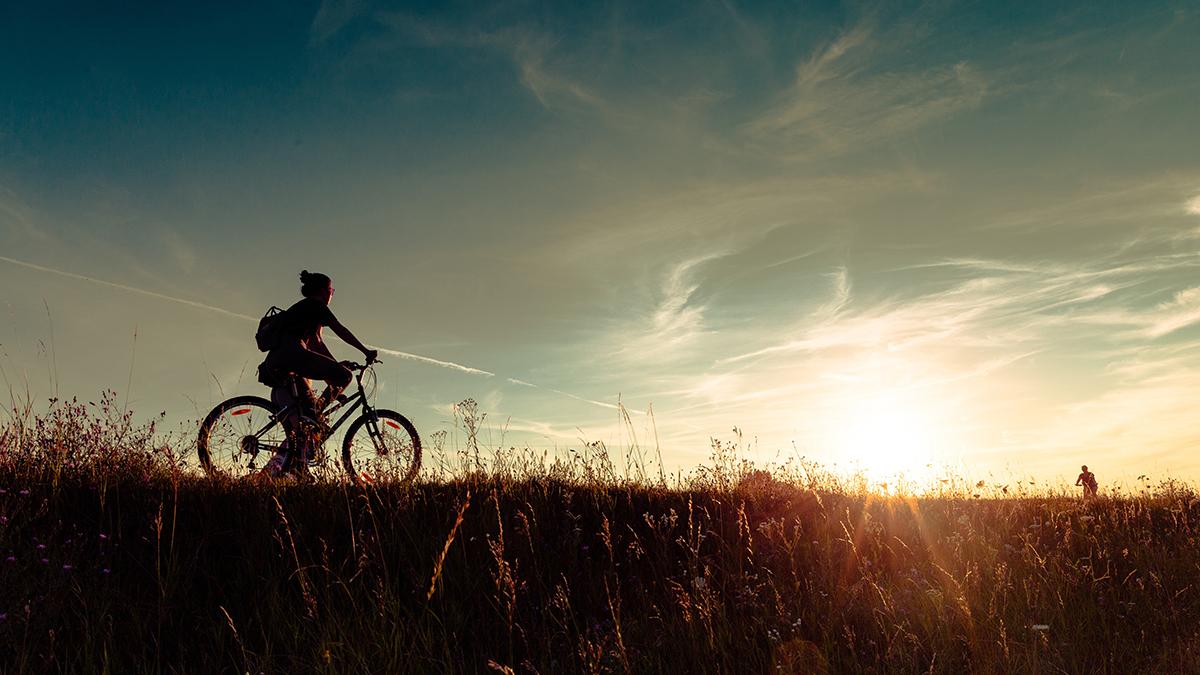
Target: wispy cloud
(841,100)
(675,319)
(179,251)
(18,218)
(1181,311)
(532,53)
(1145,204)
(332,16)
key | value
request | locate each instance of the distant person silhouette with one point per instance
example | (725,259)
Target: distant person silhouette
(300,350)
(1088,480)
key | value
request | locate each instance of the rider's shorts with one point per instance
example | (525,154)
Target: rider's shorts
(308,364)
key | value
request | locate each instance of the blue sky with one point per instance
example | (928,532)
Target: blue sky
(892,234)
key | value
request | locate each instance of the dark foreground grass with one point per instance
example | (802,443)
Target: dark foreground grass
(113,563)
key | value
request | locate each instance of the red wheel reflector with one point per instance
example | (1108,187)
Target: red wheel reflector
(392,424)
(243,411)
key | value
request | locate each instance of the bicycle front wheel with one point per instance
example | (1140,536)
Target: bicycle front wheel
(381,446)
(239,436)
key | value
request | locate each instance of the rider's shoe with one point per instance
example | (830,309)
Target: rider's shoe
(298,466)
(299,471)
(277,465)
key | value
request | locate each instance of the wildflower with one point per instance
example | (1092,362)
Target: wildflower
(103,537)
(105,571)
(3,616)
(24,493)
(699,583)
(41,547)
(11,558)
(45,561)
(68,567)
(1040,627)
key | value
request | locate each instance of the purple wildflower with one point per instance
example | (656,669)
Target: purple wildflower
(68,567)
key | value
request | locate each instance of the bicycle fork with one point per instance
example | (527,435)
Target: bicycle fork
(375,434)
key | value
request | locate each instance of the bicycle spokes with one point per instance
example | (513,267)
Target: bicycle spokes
(381,448)
(241,439)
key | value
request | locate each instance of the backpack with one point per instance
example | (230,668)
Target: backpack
(267,335)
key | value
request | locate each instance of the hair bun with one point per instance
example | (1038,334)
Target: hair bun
(305,276)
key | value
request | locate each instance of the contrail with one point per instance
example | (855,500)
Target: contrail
(246,317)
(425,359)
(602,404)
(131,289)
(236,315)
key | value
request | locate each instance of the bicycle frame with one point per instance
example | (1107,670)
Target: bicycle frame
(352,403)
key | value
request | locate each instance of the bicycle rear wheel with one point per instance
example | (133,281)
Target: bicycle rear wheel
(381,446)
(239,436)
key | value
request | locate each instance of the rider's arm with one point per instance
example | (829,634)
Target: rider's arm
(344,333)
(320,347)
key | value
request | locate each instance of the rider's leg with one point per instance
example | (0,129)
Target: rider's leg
(307,365)
(296,395)
(316,366)
(304,415)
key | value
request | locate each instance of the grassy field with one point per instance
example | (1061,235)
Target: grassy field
(114,559)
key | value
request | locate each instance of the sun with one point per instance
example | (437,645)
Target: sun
(885,435)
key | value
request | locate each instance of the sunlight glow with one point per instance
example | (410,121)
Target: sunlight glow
(886,435)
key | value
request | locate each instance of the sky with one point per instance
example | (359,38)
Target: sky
(892,236)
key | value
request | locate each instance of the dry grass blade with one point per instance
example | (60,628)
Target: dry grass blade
(437,566)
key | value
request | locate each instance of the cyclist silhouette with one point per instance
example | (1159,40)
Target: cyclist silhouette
(300,351)
(1088,480)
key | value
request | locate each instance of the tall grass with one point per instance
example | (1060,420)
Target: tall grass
(116,557)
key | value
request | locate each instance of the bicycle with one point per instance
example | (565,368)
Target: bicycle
(243,430)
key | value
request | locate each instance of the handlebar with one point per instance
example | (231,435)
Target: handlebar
(360,366)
